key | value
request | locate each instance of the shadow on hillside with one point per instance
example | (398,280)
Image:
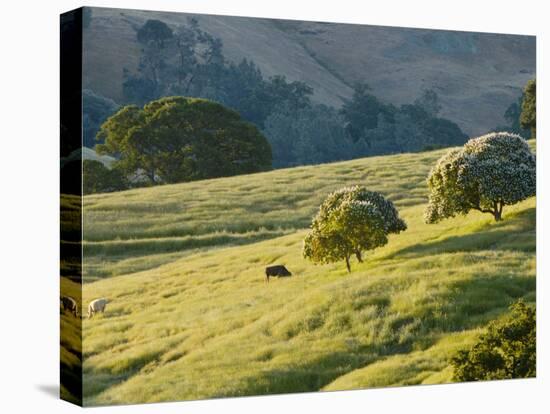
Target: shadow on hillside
(515,232)
(113,252)
(313,376)
(98,380)
(70,359)
(133,248)
(462,305)
(465,305)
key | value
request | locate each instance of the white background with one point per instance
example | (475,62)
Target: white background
(29,223)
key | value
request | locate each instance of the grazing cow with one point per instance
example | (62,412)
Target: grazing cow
(277,270)
(97,305)
(69,304)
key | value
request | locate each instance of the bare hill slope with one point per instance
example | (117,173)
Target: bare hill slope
(477,75)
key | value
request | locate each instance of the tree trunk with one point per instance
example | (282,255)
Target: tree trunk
(180,72)
(359,257)
(152,176)
(497,210)
(347,264)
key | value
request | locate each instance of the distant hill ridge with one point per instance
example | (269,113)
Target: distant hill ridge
(476,75)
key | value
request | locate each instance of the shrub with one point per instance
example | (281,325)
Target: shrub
(349,221)
(488,173)
(507,350)
(99,179)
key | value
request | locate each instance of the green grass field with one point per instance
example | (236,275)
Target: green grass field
(192,317)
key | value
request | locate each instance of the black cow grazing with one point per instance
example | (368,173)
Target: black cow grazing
(277,270)
(70,305)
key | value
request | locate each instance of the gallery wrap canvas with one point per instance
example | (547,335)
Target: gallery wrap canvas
(253,206)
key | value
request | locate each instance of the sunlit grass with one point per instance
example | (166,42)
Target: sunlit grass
(205,324)
(170,220)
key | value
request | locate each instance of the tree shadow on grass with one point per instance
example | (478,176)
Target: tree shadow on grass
(465,305)
(312,376)
(98,380)
(516,232)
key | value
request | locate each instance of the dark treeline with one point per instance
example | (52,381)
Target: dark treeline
(521,115)
(188,61)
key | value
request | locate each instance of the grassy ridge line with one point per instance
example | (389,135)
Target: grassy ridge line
(429,290)
(139,229)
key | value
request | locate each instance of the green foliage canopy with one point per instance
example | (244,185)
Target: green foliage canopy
(389,129)
(413,129)
(95,110)
(311,135)
(178,139)
(507,350)
(429,102)
(528,117)
(154,31)
(349,221)
(191,62)
(512,117)
(488,173)
(99,179)
(362,111)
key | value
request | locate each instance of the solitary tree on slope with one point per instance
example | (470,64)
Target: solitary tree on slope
(486,174)
(350,221)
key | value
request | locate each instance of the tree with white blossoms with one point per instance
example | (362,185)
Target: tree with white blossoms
(486,174)
(350,221)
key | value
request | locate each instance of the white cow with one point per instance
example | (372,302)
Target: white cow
(97,305)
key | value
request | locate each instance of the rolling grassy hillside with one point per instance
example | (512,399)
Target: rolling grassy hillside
(139,229)
(70,355)
(192,317)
